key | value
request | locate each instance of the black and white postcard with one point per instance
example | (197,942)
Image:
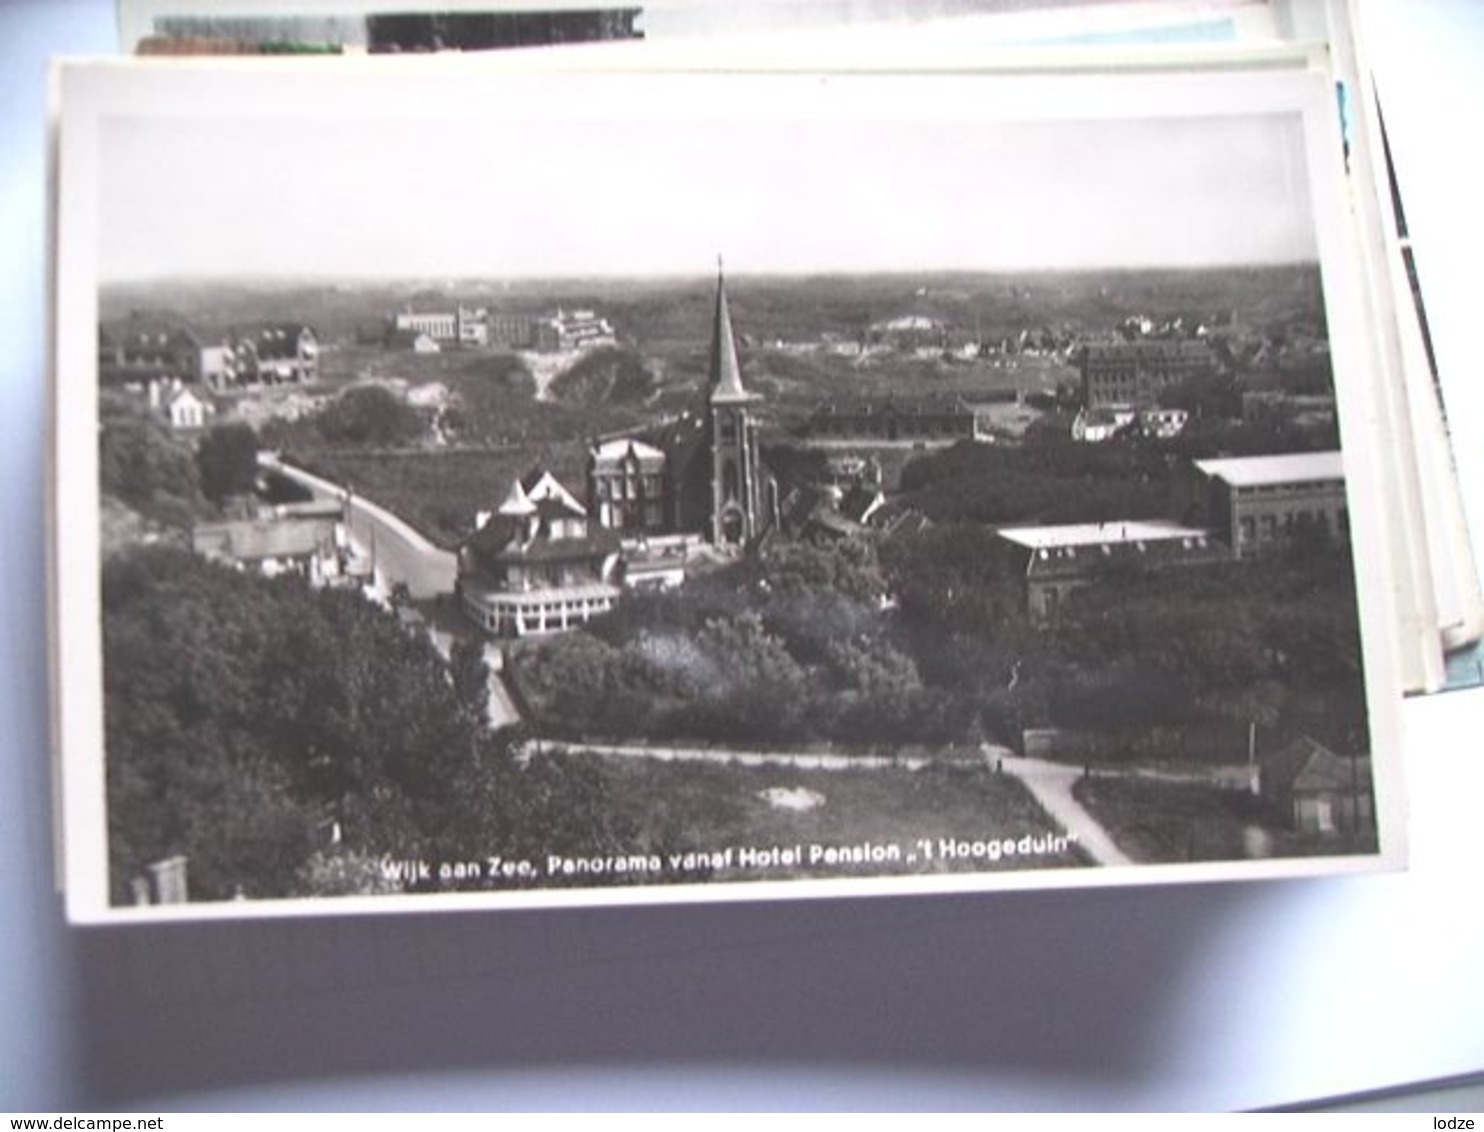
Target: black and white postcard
(483,487)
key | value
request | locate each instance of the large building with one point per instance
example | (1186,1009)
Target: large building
(441,326)
(539,564)
(275,353)
(144,348)
(1257,503)
(464,326)
(1135,373)
(626,486)
(1059,560)
(715,483)
(578,330)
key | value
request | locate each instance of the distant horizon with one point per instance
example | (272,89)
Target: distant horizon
(687,277)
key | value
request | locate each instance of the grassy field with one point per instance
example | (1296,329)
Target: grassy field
(712,807)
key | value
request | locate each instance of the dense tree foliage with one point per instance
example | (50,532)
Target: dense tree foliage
(1216,395)
(142,465)
(607,375)
(279,488)
(793,647)
(227,459)
(957,575)
(1274,641)
(793,466)
(369,415)
(245,716)
(1054,481)
(796,647)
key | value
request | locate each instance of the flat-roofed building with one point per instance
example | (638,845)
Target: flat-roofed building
(582,330)
(441,326)
(1258,503)
(1061,559)
(306,539)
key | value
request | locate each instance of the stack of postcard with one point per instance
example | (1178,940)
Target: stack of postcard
(683,471)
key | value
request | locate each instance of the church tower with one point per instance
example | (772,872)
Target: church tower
(736,475)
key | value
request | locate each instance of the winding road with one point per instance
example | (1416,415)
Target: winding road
(399,552)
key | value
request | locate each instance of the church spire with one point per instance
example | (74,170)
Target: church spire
(726,373)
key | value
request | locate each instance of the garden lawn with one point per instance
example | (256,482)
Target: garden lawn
(709,807)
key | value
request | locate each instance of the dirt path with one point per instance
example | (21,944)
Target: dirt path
(1051,785)
(822,761)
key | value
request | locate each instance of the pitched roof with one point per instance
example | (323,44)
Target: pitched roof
(624,446)
(725,372)
(543,487)
(1307,766)
(502,541)
(277,339)
(142,329)
(516,501)
(186,393)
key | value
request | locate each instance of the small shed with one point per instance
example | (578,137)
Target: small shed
(1319,792)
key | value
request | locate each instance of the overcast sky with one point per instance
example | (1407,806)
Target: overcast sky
(333,196)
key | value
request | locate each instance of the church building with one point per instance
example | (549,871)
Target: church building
(738,479)
(716,485)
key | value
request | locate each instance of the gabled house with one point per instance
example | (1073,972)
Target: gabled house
(182,407)
(626,482)
(185,410)
(278,353)
(538,564)
(309,539)
(1318,792)
(145,348)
